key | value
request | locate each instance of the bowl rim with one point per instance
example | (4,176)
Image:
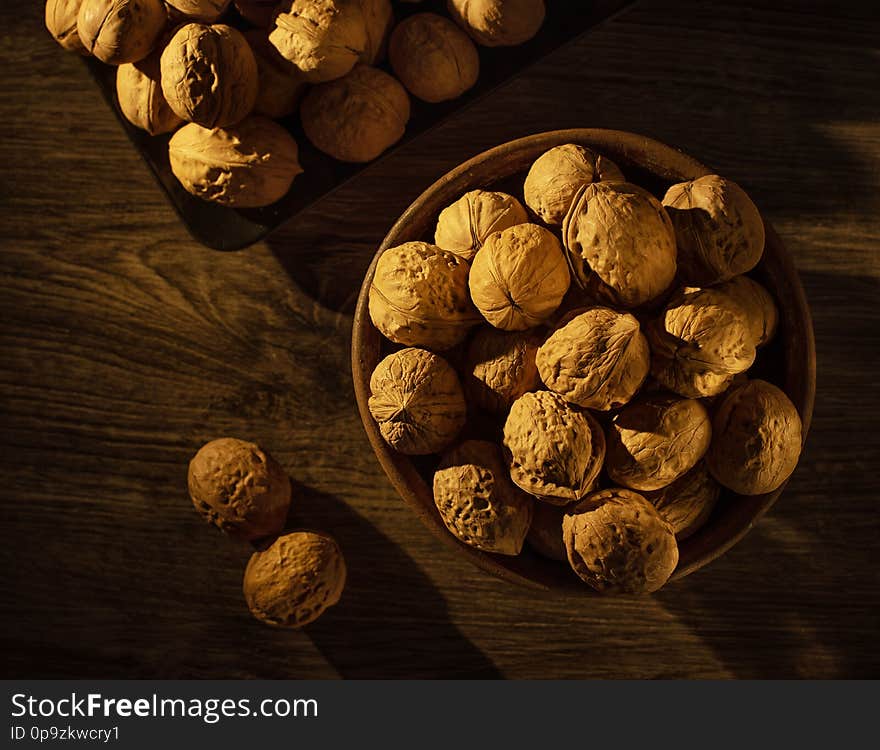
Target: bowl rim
(652,155)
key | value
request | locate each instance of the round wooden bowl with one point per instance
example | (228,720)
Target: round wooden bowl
(789,360)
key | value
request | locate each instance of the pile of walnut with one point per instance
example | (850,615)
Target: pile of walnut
(600,339)
(219,89)
(294,576)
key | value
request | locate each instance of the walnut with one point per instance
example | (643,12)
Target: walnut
(699,342)
(557,175)
(325,39)
(433,58)
(357,117)
(292,582)
(248,165)
(478,502)
(239,488)
(756,304)
(687,503)
(653,441)
(500,367)
(417,401)
(463,227)
(718,229)
(619,236)
(209,75)
(757,439)
(419,296)
(556,450)
(258,12)
(498,23)
(139,92)
(120,31)
(619,543)
(545,533)
(281,85)
(61,23)
(519,277)
(597,358)
(378,20)
(207,11)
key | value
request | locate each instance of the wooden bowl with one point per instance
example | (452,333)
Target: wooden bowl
(789,361)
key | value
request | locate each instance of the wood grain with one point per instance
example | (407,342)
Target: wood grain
(126,345)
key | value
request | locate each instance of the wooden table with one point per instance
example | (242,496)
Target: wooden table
(125,345)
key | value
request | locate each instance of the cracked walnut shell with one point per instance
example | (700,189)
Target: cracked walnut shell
(209,75)
(498,23)
(293,581)
(417,401)
(500,367)
(597,358)
(555,449)
(478,502)
(239,488)
(618,235)
(120,31)
(618,542)
(757,439)
(687,503)
(519,277)
(419,296)
(61,23)
(248,165)
(718,229)
(463,226)
(139,92)
(557,175)
(653,441)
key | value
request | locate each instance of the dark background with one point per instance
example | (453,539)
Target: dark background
(124,345)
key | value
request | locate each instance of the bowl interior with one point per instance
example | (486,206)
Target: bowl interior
(788,361)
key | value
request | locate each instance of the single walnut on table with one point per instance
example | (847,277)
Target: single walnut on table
(500,367)
(139,92)
(417,401)
(295,580)
(596,358)
(653,441)
(556,450)
(499,23)
(120,31)
(687,503)
(519,277)
(463,226)
(61,23)
(617,542)
(478,502)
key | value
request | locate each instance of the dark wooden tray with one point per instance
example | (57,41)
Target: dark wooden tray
(231,229)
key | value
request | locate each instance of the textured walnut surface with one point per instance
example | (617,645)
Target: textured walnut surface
(120,31)
(499,23)
(758,306)
(500,367)
(140,97)
(463,226)
(61,22)
(687,503)
(200,10)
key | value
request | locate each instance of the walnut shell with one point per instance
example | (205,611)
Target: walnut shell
(498,23)
(463,226)
(239,488)
(545,533)
(597,358)
(357,117)
(120,31)
(653,441)
(61,23)
(555,449)
(209,75)
(281,85)
(699,342)
(757,439)
(687,503)
(519,277)
(292,582)
(718,229)
(417,401)
(207,11)
(619,236)
(501,367)
(478,502)
(258,12)
(756,304)
(419,296)
(557,175)
(618,542)
(433,58)
(378,21)
(248,165)
(139,92)
(325,39)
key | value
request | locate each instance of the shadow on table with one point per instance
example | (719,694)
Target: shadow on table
(803,599)
(391,621)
